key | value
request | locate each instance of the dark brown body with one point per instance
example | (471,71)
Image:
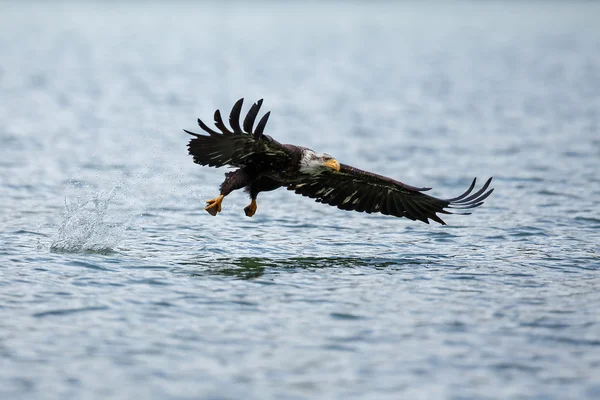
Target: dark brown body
(256,177)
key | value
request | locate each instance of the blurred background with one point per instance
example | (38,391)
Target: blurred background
(116,283)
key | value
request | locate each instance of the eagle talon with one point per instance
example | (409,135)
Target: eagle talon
(214,205)
(250,209)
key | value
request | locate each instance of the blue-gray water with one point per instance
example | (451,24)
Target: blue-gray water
(115,283)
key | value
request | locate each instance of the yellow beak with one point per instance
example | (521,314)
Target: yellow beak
(333,164)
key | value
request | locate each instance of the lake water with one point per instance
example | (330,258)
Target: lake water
(115,283)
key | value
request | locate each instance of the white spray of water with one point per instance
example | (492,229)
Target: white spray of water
(87,227)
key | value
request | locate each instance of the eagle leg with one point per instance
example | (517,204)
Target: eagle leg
(233,181)
(262,184)
(214,205)
(250,209)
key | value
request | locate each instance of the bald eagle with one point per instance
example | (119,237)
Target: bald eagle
(264,164)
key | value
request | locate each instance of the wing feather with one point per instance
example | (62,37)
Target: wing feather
(205,128)
(235,147)
(476,196)
(363,191)
(399,206)
(409,212)
(234,116)
(389,206)
(365,202)
(251,116)
(219,124)
(261,125)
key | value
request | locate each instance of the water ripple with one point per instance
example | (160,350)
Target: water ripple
(66,312)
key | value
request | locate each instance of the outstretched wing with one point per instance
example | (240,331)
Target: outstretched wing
(358,190)
(235,147)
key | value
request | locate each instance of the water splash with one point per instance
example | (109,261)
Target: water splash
(86,226)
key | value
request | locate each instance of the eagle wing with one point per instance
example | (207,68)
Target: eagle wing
(236,147)
(358,190)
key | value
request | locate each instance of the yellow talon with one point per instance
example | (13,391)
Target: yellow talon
(214,205)
(250,209)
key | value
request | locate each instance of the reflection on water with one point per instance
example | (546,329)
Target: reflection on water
(254,267)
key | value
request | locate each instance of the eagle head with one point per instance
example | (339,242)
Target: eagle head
(314,163)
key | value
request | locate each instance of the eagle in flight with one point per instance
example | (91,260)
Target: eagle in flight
(264,164)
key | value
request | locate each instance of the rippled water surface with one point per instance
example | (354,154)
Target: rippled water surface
(115,283)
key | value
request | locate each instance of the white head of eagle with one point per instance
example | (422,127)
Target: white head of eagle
(313,163)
